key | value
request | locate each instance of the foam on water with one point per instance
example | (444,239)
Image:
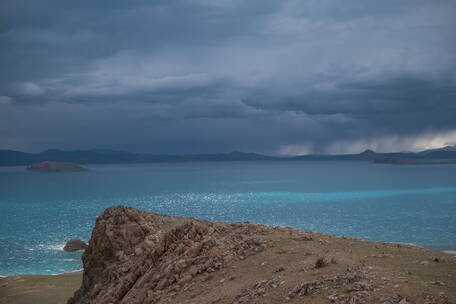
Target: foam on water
(57,246)
(65,272)
(67,260)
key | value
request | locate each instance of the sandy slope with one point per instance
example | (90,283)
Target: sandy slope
(38,289)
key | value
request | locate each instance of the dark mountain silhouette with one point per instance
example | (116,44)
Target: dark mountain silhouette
(104,156)
(410,158)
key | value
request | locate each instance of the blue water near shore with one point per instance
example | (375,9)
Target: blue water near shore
(410,204)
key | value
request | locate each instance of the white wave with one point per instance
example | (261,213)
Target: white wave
(77,270)
(58,247)
(54,246)
(66,272)
(69,260)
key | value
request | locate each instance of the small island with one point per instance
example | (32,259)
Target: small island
(52,166)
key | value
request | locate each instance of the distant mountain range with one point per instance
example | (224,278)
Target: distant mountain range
(102,156)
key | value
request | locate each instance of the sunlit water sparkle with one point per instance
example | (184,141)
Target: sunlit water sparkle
(410,204)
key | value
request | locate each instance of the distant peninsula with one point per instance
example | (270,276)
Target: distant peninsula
(396,160)
(445,155)
(51,166)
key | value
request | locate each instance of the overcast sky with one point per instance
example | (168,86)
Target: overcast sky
(200,76)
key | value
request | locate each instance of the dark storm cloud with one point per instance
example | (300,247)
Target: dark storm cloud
(204,76)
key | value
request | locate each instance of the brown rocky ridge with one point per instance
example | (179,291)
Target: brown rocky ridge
(142,257)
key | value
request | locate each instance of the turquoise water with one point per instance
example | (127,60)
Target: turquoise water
(410,204)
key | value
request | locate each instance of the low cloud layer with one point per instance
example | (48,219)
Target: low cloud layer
(198,76)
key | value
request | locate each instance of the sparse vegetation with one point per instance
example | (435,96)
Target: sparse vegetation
(320,263)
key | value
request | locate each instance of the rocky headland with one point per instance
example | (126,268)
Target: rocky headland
(142,257)
(52,166)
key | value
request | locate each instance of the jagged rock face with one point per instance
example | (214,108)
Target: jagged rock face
(135,256)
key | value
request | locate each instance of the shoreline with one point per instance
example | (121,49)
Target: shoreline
(43,274)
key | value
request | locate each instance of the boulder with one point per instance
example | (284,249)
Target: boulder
(75,245)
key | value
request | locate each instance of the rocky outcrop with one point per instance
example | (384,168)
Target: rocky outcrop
(51,166)
(135,257)
(75,245)
(141,257)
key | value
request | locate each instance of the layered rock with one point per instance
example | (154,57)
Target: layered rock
(134,256)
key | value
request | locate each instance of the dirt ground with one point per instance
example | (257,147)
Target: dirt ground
(39,289)
(353,271)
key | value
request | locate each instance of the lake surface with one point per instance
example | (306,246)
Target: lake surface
(410,204)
